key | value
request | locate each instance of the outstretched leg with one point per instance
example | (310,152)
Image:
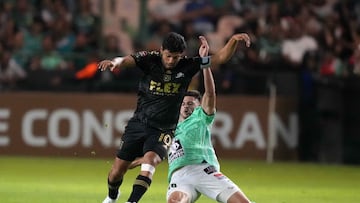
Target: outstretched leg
(115,179)
(144,179)
(238,197)
(178,197)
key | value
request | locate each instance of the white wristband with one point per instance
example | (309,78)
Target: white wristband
(205,62)
(117,61)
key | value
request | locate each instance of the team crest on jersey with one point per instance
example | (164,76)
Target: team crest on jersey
(167,78)
(176,150)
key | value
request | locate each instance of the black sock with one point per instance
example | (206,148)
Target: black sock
(139,188)
(114,188)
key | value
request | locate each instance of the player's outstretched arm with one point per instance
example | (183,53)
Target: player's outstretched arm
(209,98)
(229,49)
(118,62)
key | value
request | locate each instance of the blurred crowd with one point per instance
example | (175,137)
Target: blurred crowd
(55,44)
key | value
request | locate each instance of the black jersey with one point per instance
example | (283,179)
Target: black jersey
(161,91)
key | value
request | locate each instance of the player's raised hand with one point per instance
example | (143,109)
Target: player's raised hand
(242,36)
(106,64)
(204,47)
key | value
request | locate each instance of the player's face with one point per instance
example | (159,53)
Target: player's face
(169,59)
(188,105)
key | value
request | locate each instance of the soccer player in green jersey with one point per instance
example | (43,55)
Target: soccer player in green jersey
(193,165)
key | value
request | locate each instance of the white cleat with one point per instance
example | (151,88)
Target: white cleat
(109,200)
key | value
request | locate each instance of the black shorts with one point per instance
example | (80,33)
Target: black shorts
(139,139)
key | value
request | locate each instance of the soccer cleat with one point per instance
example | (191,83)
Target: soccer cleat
(109,200)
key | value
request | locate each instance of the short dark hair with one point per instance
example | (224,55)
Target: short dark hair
(174,42)
(194,93)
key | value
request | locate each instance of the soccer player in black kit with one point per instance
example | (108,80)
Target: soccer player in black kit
(167,75)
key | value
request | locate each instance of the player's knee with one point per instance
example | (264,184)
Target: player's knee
(178,197)
(118,170)
(237,197)
(115,175)
(152,158)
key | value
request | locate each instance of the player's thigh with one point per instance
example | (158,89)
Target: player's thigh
(217,186)
(157,141)
(181,185)
(237,197)
(180,192)
(132,141)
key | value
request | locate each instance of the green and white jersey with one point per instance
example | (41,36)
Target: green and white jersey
(192,142)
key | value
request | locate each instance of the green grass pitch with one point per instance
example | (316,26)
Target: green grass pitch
(78,180)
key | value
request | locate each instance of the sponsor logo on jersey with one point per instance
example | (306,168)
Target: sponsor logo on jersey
(210,169)
(180,75)
(219,176)
(166,88)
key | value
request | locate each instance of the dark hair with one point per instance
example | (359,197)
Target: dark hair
(174,42)
(194,93)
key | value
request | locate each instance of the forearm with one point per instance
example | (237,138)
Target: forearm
(225,53)
(209,97)
(123,62)
(208,101)
(209,84)
(229,49)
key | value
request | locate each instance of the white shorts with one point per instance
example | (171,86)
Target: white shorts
(194,181)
